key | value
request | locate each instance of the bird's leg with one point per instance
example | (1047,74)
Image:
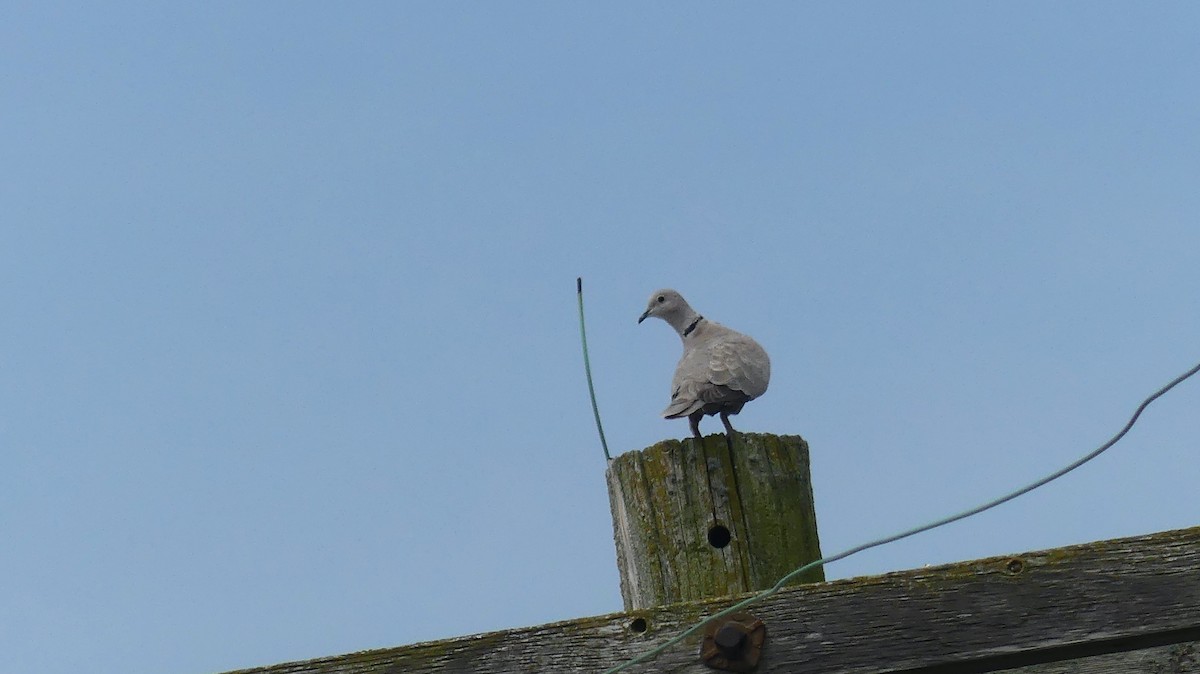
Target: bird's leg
(728,426)
(694,420)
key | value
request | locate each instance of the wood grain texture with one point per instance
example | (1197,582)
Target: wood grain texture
(1183,658)
(1130,605)
(666,498)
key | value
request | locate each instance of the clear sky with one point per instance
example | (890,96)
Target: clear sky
(289,348)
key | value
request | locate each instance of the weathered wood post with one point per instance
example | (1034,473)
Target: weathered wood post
(700,519)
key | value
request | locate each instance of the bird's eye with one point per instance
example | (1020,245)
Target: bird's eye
(661,299)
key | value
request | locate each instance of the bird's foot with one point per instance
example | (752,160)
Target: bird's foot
(694,422)
(728,426)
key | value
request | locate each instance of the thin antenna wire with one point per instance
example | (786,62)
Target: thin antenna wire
(587,367)
(653,653)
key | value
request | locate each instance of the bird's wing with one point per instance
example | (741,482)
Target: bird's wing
(737,361)
(728,370)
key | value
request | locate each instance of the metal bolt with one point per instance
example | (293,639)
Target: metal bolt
(730,637)
(735,644)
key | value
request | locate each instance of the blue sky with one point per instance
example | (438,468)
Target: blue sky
(289,350)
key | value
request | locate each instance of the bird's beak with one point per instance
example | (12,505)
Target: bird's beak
(643,316)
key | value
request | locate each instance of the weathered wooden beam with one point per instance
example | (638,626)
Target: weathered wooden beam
(700,519)
(1180,658)
(1134,602)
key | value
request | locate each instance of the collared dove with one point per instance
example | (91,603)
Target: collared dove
(720,370)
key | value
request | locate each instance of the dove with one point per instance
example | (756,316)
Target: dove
(720,370)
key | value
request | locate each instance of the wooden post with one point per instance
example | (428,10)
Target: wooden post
(696,520)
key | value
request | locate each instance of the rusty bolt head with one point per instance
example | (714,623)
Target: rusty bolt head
(730,638)
(734,644)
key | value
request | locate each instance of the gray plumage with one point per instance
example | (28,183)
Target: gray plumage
(720,370)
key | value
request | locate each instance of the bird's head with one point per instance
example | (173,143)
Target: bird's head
(667,305)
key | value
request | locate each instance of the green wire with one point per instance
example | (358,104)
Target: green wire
(587,367)
(650,654)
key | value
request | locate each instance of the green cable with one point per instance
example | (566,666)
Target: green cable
(587,367)
(650,654)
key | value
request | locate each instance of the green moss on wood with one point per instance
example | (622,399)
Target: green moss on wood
(671,492)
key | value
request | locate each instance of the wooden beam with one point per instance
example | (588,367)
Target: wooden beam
(1179,658)
(1115,600)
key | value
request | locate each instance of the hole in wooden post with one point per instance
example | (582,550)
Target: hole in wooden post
(638,625)
(719,536)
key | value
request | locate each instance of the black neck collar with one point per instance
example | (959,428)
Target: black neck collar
(688,330)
